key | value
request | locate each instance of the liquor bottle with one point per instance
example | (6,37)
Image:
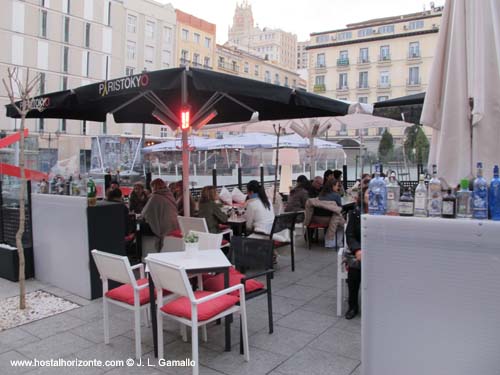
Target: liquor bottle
(434,195)
(377,194)
(464,200)
(495,195)
(91,192)
(406,203)
(420,198)
(480,195)
(449,206)
(393,190)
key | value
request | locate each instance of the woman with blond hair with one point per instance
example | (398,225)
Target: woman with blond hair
(210,209)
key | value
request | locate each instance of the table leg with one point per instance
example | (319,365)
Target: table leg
(228,318)
(152,306)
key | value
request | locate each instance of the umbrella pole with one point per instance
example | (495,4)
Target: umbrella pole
(185,150)
(277,160)
(471,107)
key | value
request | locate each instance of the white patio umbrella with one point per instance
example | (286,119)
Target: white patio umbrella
(466,70)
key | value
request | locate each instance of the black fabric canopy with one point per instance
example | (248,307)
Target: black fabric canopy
(410,106)
(133,99)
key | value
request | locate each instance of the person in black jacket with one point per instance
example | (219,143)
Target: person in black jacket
(354,252)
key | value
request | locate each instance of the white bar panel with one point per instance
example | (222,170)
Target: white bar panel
(17,50)
(43,55)
(107,40)
(18,17)
(84,63)
(430,296)
(88,9)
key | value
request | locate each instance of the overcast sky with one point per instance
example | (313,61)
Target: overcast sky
(300,17)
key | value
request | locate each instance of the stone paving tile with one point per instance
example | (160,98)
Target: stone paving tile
(307,321)
(325,303)
(281,305)
(353,325)
(339,342)
(14,338)
(357,370)
(283,340)
(56,346)
(232,363)
(91,312)
(52,325)
(317,362)
(320,282)
(94,331)
(77,299)
(69,370)
(5,365)
(300,292)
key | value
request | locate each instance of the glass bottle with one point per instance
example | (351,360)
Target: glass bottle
(449,205)
(434,195)
(405,206)
(377,194)
(495,195)
(420,208)
(464,200)
(393,192)
(91,192)
(480,195)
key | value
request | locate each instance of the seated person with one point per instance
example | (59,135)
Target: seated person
(337,175)
(316,185)
(115,195)
(299,195)
(138,198)
(259,211)
(352,257)
(327,176)
(210,209)
(160,212)
(330,192)
(179,199)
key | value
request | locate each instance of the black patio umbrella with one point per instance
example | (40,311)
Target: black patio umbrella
(409,106)
(184,98)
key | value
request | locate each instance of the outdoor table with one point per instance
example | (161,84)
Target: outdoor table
(238,225)
(204,261)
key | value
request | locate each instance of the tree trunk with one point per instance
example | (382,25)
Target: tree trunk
(22,218)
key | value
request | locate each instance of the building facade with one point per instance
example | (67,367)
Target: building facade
(374,60)
(276,45)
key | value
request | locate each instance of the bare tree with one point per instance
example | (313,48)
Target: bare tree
(23,104)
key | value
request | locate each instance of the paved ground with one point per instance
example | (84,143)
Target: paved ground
(308,337)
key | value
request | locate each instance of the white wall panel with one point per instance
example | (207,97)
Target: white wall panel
(88,9)
(17,50)
(42,55)
(18,17)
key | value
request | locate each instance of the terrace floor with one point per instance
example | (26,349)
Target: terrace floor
(308,336)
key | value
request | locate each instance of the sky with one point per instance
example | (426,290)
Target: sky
(300,17)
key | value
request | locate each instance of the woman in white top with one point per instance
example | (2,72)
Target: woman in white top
(259,211)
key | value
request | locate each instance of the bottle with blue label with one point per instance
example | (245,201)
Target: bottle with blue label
(480,195)
(377,194)
(494,200)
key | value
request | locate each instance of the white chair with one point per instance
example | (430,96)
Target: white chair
(208,241)
(193,309)
(198,224)
(133,295)
(341,281)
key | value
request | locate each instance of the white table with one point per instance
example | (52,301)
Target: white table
(204,261)
(430,299)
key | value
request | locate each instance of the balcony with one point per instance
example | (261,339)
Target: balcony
(343,62)
(320,67)
(184,62)
(413,84)
(383,86)
(363,60)
(233,68)
(414,55)
(342,87)
(362,86)
(319,88)
(207,67)
(384,59)
(196,64)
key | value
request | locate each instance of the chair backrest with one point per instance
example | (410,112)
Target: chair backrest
(252,253)
(170,277)
(208,241)
(113,267)
(284,221)
(192,223)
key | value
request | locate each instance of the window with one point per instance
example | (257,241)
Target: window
(163,131)
(166,58)
(41,125)
(319,81)
(87,35)
(66,29)
(87,63)
(414,76)
(84,127)
(286,81)
(343,81)
(386,29)
(64,83)
(385,53)
(365,32)
(42,83)
(206,62)
(131,50)
(65,58)
(343,58)
(104,127)
(63,125)
(150,30)
(246,67)
(344,35)
(362,99)
(196,59)
(320,60)
(267,76)
(414,50)
(184,56)
(129,71)
(185,34)
(256,71)
(149,53)
(131,23)
(196,38)
(382,98)
(276,79)
(43,24)
(167,36)
(363,80)
(384,79)
(322,38)
(363,55)
(109,14)
(418,24)
(208,42)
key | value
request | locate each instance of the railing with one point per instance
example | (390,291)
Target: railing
(384,58)
(230,67)
(413,82)
(414,55)
(342,88)
(363,60)
(362,85)
(383,85)
(319,88)
(343,62)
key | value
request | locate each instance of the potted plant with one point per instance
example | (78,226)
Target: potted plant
(191,243)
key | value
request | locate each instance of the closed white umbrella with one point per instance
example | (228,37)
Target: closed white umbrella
(465,71)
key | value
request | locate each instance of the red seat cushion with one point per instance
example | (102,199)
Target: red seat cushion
(216,283)
(125,293)
(317,225)
(224,242)
(224,226)
(175,233)
(182,306)
(279,243)
(130,237)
